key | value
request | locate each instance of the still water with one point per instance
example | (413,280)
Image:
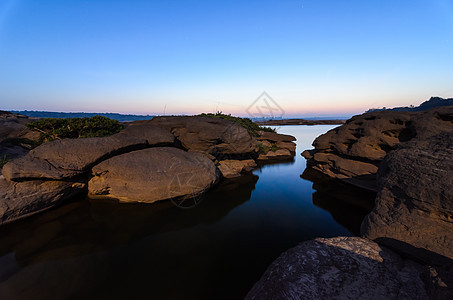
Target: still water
(217,250)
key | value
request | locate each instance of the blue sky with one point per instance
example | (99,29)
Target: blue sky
(150,57)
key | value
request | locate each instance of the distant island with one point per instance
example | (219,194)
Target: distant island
(50,114)
(281,122)
(431,103)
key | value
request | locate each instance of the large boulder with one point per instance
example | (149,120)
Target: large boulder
(213,136)
(22,199)
(355,149)
(152,174)
(414,206)
(68,158)
(346,268)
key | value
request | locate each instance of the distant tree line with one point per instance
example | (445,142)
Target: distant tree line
(431,103)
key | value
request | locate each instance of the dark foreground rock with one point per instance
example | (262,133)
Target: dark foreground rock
(22,199)
(68,158)
(151,175)
(414,207)
(347,268)
(355,149)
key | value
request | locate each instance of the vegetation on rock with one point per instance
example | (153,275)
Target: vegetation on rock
(3,161)
(73,128)
(248,124)
(263,149)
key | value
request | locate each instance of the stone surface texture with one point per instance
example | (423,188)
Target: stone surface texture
(414,207)
(346,268)
(151,175)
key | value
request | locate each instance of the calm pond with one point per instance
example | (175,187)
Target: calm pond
(217,250)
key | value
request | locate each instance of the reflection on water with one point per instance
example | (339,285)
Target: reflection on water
(102,249)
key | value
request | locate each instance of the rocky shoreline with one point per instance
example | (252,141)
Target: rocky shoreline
(160,159)
(406,248)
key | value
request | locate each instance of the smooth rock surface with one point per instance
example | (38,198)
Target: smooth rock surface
(414,208)
(22,199)
(151,175)
(234,168)
(67,158)
(341,268)
(209,135)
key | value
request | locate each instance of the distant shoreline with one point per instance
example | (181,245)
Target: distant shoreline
(299,122)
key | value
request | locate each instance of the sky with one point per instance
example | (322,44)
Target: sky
(313,58)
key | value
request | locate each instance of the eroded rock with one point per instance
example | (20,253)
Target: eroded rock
(356,148)
(234,168)
(214,136)
(151,175)
(414,207)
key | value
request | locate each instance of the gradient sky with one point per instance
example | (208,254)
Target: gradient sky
(150,57)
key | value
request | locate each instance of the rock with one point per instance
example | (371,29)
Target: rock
(275,137)
(234,168)
(152,174)
(68,158)
(13,126)
(336,166)
(366,139)
(287,145)
(214,136)
(22,199)
(308,154)
(276,155)
(414,207)
(341,268)
(266,143)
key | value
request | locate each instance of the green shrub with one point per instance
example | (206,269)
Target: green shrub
(74,128)
(262,149)
(248,124)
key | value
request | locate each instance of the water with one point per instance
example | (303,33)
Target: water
(217,250)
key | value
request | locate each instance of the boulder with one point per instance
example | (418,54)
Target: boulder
(357,147)
(22,199)
(279,154)
(234,168)
(287,145)
(214,136)
(151,175)
(342,268)
(68,158)
(414,206)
